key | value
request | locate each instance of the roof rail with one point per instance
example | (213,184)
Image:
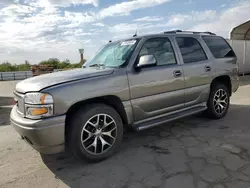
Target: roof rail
(192,32)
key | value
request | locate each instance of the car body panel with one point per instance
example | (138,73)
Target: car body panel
(115,84)
(46,135)
(38,83)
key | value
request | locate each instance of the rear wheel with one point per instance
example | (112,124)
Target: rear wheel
(218,102)
(96,132)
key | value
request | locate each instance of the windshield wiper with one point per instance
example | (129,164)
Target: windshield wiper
(97,65)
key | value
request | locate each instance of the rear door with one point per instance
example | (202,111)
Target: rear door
(225,60)
(197,69)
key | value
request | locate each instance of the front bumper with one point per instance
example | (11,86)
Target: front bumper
(45,135)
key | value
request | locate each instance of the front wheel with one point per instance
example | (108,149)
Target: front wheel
(218,102)
(96,132)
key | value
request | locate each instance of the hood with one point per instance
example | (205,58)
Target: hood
(40,82)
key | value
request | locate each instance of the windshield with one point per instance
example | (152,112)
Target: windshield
(113,54)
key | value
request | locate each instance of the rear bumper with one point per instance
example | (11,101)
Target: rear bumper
(46,135)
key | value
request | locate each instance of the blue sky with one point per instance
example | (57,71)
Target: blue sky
(36,30)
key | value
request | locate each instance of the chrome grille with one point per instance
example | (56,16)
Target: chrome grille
(19,102)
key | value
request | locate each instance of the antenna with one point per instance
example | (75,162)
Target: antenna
(135,35)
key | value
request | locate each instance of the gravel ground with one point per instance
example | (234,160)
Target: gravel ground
(194,152)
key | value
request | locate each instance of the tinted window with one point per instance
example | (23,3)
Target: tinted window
(162,50)
(219,47)
(191,50)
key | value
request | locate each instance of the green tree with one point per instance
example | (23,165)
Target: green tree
(6,67)
(23,67)
(54,62)
(64,64)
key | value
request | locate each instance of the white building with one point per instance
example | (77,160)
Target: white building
(240,41)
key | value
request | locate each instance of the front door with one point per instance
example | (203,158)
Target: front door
(197,70)
(159,89)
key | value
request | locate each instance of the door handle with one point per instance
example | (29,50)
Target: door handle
(177,73)
(207,68)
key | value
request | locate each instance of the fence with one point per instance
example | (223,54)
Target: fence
(19,75)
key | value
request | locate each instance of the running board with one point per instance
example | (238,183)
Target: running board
(152,123)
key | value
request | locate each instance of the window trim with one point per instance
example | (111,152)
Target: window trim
(198,44)
(222,39)
(161,37)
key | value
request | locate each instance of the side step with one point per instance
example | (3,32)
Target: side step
(152,123)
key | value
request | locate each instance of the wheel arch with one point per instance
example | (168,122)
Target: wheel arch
(110,100)
(223,79)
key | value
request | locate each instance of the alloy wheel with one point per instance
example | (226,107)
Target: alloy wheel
(99,134)
(220,101)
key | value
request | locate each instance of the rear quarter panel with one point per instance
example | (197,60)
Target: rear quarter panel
(228,66)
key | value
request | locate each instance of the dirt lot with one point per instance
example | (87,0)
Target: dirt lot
(193,152)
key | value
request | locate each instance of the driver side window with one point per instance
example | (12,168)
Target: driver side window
(162,50)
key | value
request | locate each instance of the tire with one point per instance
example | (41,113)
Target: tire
(217,110)
(90,140)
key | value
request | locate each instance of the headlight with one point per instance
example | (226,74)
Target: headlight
(38,98)
(38,105)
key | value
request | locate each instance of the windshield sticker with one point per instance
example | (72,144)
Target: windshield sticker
(128,43)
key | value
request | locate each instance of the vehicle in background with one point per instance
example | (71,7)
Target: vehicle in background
(41,69)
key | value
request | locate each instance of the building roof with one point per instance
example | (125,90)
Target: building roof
(241,32)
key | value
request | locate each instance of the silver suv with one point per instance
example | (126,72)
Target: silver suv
(137,83)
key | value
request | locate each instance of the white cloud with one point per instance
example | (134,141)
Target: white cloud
(42,32)
(99,24)
(7,2)
(15,10)
(42,29)
(124,28)
(220,22)
(95,30)
(194,16)
(142,28)
(125,8)
(65,3)
(149,19)
(226,20)
(176,20)
(78,17)
(75,2)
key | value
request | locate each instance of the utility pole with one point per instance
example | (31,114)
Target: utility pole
(81,51)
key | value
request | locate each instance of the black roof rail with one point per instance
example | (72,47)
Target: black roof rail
(193,32)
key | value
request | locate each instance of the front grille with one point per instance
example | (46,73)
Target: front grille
(19,102)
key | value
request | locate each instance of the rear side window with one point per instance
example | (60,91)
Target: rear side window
(191,49)
(219,47)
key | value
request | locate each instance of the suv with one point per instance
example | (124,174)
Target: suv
(137,83)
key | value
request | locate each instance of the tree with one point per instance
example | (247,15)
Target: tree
(23,67)
(6,67)
(64,64)
(54,62)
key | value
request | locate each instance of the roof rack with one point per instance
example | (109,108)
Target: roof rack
(192,32)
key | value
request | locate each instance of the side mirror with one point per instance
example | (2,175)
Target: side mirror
(146,61)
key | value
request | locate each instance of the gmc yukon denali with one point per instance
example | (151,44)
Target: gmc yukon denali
(136,83)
